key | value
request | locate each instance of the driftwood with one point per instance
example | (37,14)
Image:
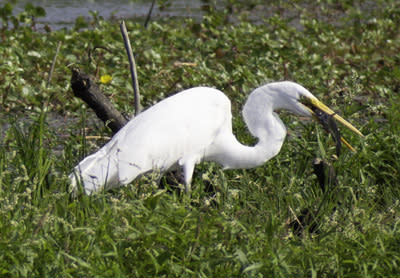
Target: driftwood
(86,88)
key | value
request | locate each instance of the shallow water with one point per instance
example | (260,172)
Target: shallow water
(62,14)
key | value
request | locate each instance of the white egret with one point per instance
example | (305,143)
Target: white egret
(193,126)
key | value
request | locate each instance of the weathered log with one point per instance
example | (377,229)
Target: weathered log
(86,88)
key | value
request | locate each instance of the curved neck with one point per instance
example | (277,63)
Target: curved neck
(242,156)
(232,154)
(263,123)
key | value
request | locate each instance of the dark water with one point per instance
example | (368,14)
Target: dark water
(61,13)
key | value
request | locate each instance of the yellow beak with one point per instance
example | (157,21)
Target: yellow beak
(317,104)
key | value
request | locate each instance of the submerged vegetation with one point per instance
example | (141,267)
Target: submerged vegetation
(272,221)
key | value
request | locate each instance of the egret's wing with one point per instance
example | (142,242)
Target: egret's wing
(176,131)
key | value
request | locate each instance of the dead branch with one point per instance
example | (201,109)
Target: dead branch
(86,88)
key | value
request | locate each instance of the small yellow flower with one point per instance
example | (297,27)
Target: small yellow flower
(105,79)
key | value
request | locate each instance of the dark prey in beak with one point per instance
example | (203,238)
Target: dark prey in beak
(330,126)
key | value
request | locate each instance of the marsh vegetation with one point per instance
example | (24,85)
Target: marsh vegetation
(347,53)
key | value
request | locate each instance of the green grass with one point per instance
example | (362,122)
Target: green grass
(245,228)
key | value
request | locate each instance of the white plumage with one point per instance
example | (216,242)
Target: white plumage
(192,126)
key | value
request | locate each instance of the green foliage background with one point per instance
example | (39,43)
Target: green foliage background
(346,52)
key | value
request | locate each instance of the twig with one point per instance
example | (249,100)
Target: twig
(42,220)
(97,47)
(53,64)
(295,217)
(86,88)
(149,14)
(95,137)
(184,64)
(132,66)
(97,71)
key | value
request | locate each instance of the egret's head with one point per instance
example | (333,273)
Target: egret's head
(297,99)
(287,95)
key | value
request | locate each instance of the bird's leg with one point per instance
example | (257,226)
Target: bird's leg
(188,169)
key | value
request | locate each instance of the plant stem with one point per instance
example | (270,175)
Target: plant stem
(53,64)
(149,14)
